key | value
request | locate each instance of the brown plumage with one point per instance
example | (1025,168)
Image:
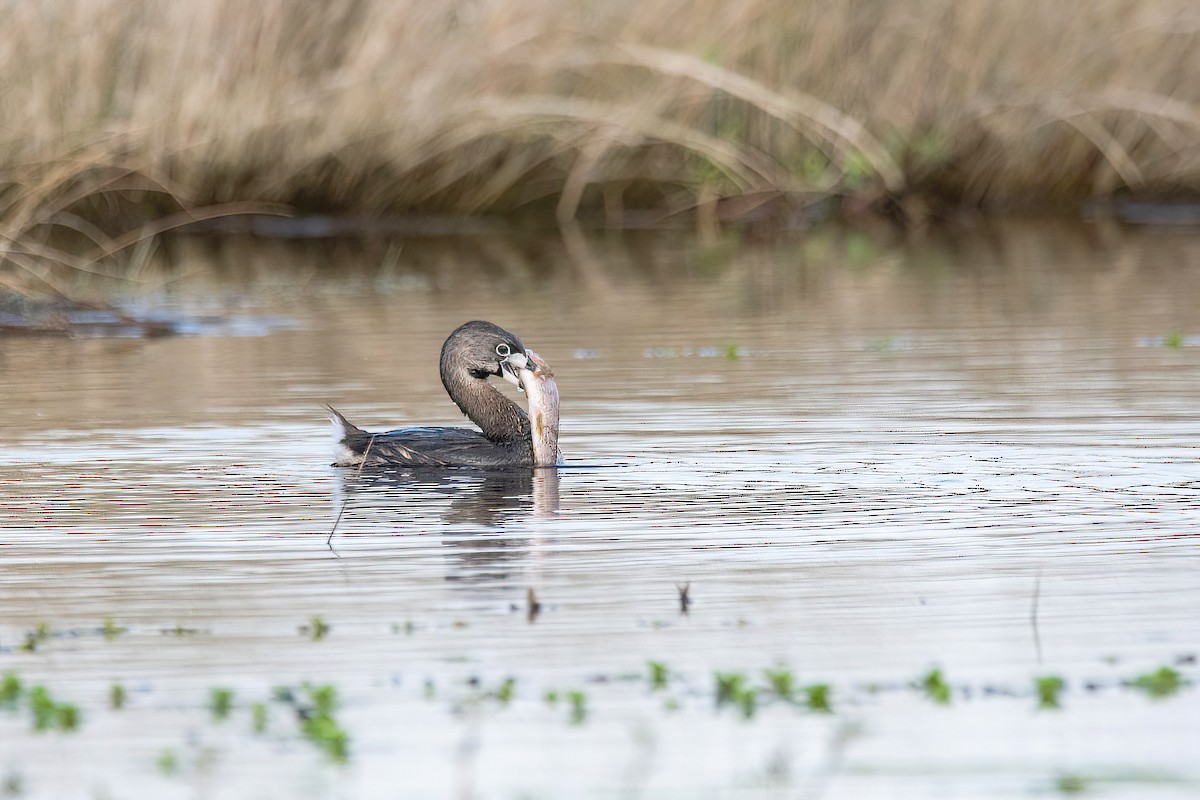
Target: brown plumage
(472,353)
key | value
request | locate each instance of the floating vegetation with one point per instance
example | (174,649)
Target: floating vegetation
(734,689)
(220,702)
(258,717)
(658,674)
(816,698)
(325,732)
(729,685)
(180,630)
(116,696)
(504,694)
(10,690)
(1048,689)
(1173,340)
(1071,784)
(111,630)
(316,629)
(1163,682)
(551,697)
(319,725)
(167,762)
(579,709)
(781,682)
(935,687)
(35,637)
(49,714)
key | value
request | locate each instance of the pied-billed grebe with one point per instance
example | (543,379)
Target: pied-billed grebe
(506,438)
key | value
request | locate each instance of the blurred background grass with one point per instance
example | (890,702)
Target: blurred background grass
(121,114)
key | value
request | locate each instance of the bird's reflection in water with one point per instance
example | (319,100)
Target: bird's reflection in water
(475,506)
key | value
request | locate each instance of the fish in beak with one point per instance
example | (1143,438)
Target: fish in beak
(511,366)
(537,380)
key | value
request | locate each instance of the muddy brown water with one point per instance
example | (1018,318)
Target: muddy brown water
(865,459)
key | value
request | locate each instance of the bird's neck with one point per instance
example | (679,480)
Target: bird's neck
(499,418)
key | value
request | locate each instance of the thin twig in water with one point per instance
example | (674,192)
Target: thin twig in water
(531,601)
(346,501)
(684,600)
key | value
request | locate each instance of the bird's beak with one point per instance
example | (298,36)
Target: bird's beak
(511,365)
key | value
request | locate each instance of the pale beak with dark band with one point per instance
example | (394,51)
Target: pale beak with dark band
(511,366)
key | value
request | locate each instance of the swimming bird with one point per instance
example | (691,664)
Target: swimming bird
(508,436)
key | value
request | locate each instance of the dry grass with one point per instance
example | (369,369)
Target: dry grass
(118,112)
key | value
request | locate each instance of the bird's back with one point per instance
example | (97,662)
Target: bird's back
(424,447)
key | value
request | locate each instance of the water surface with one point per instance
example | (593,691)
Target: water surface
(864,458)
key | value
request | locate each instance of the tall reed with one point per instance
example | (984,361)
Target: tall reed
(116,112)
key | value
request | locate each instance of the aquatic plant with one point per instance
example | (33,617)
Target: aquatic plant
(220,702)
(1163,682)
(10,690)
(782,682)
(111,630)
(816,698)
(167,762)
(504,694)
(325,732)
(733,688)
(935,687)
(258,717)
(579,709)
(116,696)
(323,697)
(1070,784)
(729,685)
(316,629)
(49,714)
(1048,689)
(658,674)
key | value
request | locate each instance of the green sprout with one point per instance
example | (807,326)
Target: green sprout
(1048,689)
(48,714)
(505,693)
(935,687)
(729,686)
(111,630)
(167,762)
(658,674)
(258,717)
(324,731)
(10,690)
(220,702)
(781,682)
(578,701)
(323,698)
(316,628)
(1163,682)
(816,698)
(116,696)
(732,688)
(1071,784)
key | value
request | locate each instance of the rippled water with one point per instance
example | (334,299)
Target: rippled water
(864,459)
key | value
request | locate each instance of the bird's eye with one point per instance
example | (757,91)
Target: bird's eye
(503,350)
